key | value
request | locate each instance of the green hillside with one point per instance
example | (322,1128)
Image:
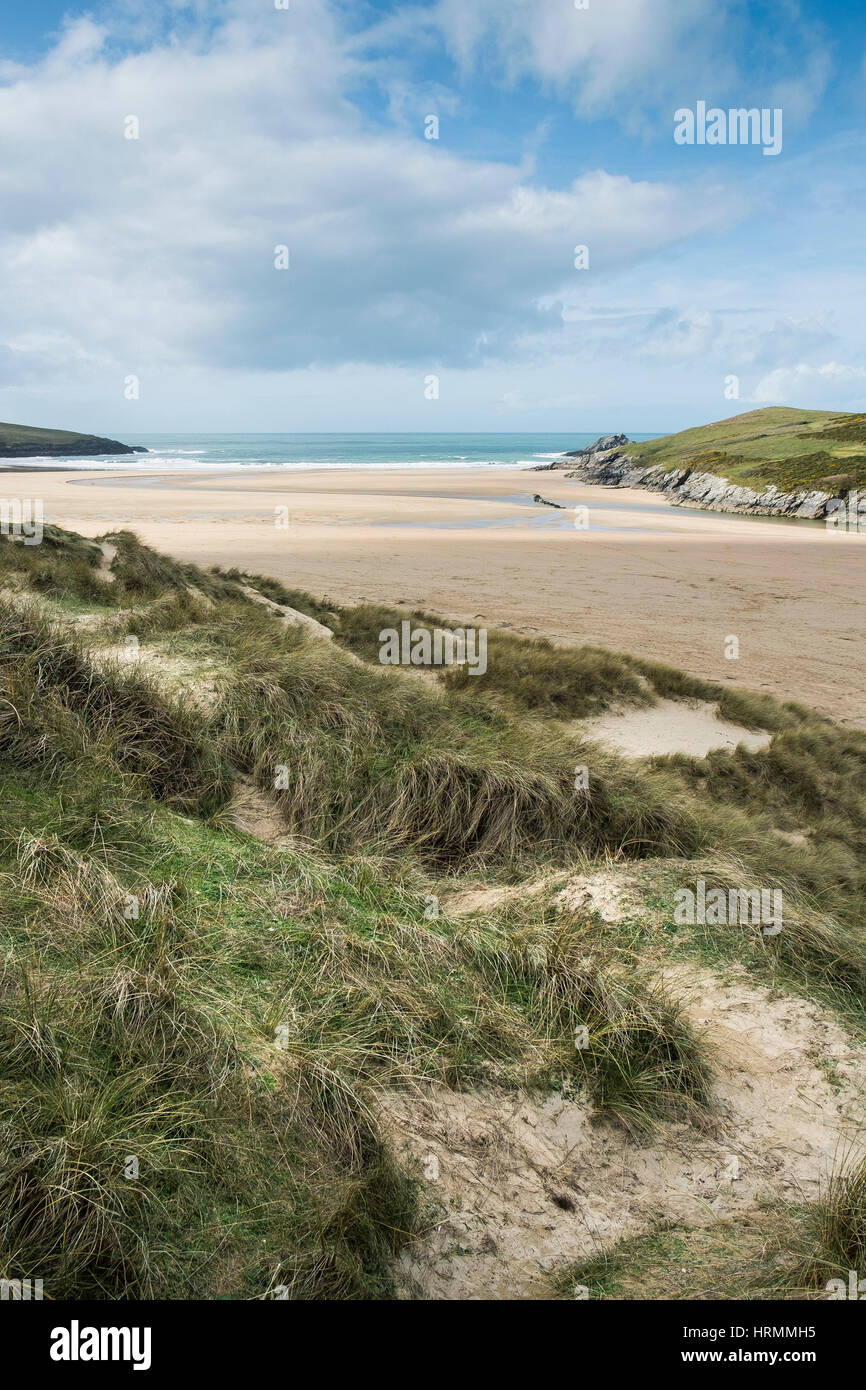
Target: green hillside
(26,441)
(793,449)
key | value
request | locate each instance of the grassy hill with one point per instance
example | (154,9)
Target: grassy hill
(212,978)
(793,449)
(25,441)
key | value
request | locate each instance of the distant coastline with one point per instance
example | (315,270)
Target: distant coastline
(28,441)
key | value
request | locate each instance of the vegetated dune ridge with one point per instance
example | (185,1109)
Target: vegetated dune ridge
(379,1001)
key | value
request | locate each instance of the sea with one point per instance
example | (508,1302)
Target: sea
(187,452)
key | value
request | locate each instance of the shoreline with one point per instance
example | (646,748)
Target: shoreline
(6,467)
(712,492)
(650,579)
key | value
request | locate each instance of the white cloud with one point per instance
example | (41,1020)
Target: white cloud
(834,384)
(627,57)
(155,256)
(160,250)
(598,52)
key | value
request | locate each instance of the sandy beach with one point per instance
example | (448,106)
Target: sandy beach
(658,581)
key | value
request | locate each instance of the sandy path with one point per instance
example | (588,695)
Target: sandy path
(671,726)
(522,1186)
(647,578)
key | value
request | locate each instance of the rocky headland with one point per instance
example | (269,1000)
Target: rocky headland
(608,462)
(26,441)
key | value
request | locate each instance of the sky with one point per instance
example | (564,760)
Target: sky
(229,215)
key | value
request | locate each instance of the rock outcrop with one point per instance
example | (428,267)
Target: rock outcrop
(607,444)
(543,501)
(609,463)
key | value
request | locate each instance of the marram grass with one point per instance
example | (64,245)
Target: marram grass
(198,1031)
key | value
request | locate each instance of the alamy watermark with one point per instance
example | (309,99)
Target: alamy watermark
(854,1290)
(736,126)
(718,907)
(461,646)
(21,1290)
(846,513)
(77,1343)
(22,518)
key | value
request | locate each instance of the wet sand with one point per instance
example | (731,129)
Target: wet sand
(661,582)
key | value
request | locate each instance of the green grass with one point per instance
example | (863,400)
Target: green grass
(59,710)
(230,1032)
(788,1252)
(532,675)
(836,1230)
(795,450)
(231,1015)
(321,610)
(751,1258)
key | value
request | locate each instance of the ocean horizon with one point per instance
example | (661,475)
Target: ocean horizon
(191,451)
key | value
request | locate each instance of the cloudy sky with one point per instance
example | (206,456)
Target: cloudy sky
(305,127)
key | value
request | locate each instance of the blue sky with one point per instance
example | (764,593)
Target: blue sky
(719,278)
